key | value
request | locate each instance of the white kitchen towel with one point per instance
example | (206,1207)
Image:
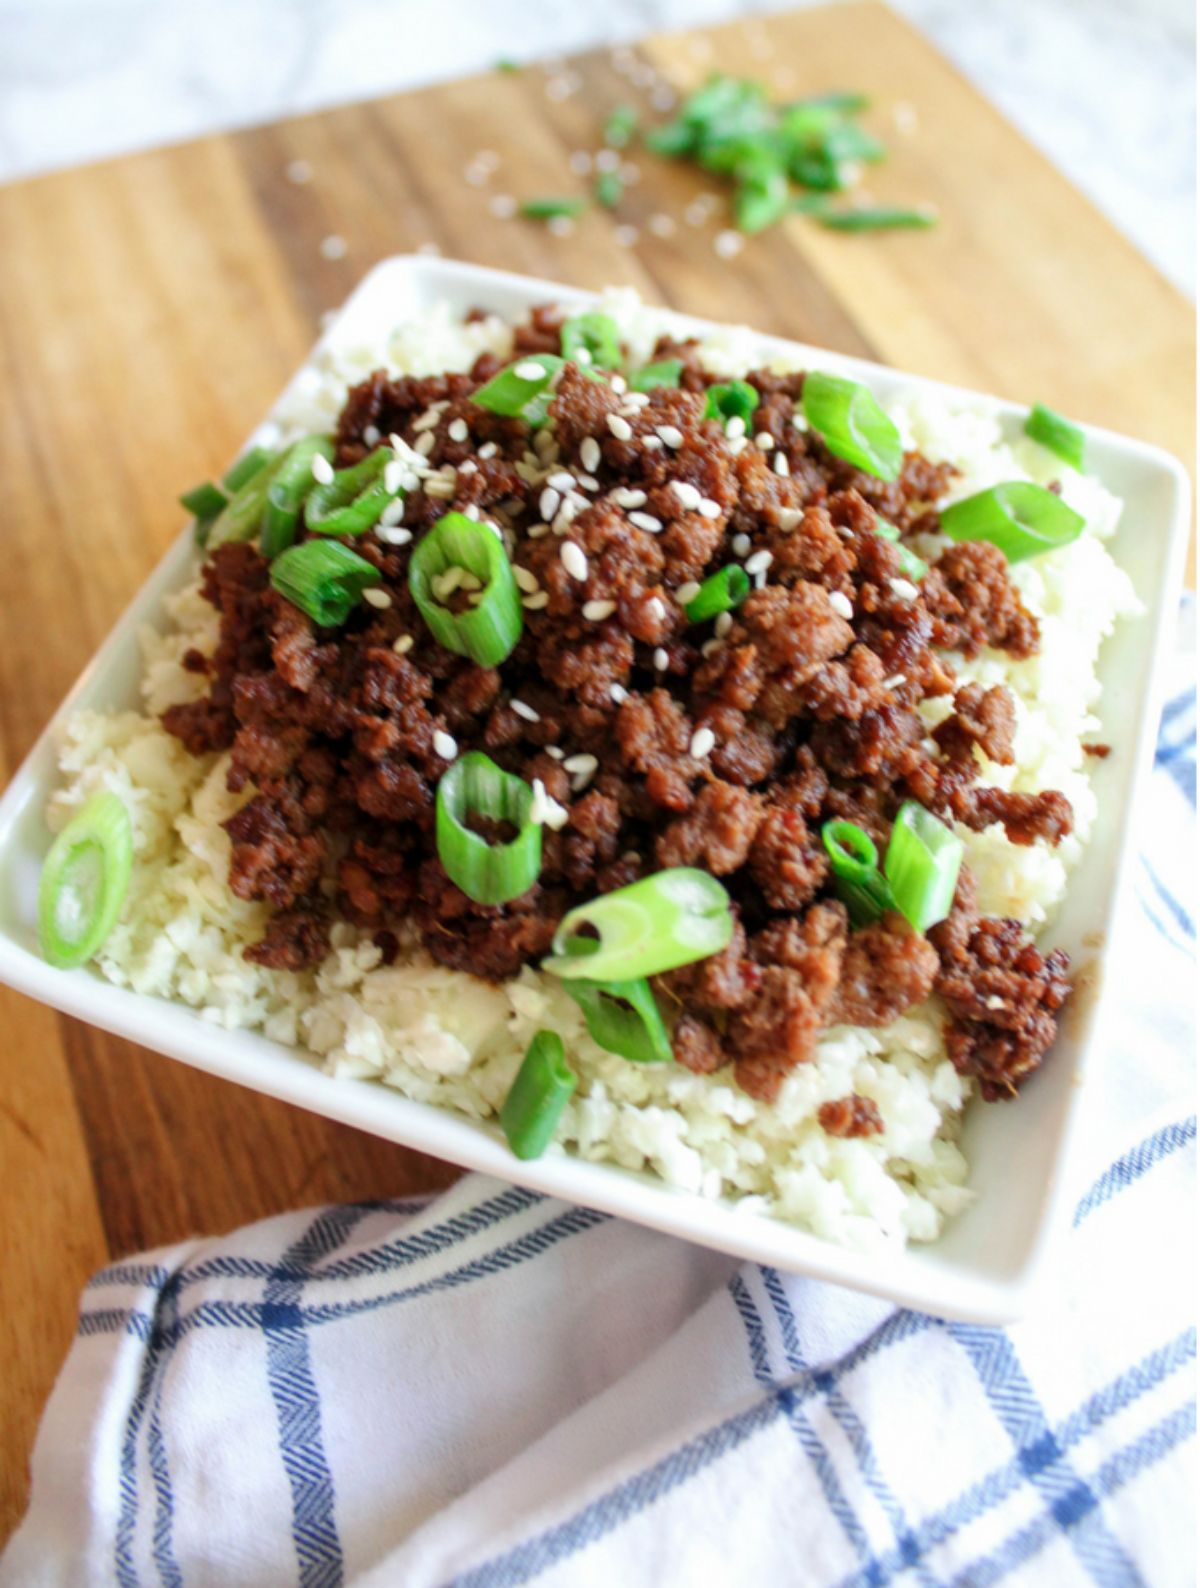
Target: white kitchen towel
(492,1388)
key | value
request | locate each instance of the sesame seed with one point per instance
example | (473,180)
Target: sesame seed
(560,226)
(393,537)
(894,681)
(661,225)
(475,174)
(439,487)
(607,160)
(723,624)
(580,763)
(580,162)
(904,589)
(488,449)
(689,496)
(618,385)
(554,752)
(597,611)
(589,482)
(741,545)
(737,446)
(503,206)
(669,435)
(333,246)
(636,400)
(656,609)
(687,592)
(789,517)
(618,694)
(522,710)
(727,244)
(710,647)
(372,436)
(427,421)
(646,521)
(621,428)
(458,430)
(548,503)
(764,440)
(661,659)
(377,598)
(652,443)
(468,466)
(393,513)
(625,497)
(702,743)
(394,472)
(529,369)
(536,601)
(841,604)
(994,1002)
(322,469)
(403,644)
(735,427)
(424,443)
(445,745)
(561,480)
(781,464)
(525,580)
(589,453)
(708,508)
(760,562)
(696,214)
(299,172)
(573,559)
(626,236)
(545,810)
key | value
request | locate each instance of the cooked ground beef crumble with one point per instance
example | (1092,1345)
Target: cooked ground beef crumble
(810,714)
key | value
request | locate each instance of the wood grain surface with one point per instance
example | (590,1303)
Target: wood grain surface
(152,307)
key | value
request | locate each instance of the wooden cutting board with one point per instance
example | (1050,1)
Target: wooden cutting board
(152,307)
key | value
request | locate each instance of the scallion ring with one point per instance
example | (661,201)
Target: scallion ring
(352,502)
(1021,518)
(84,880)
(734,399)
(623,1018)
(846,416)
(857,879)
(1057,434)
(658,923)
(720,592)
(543,1087)
(488,631)
(911,566)
(520,394)
(324,579)
(595,335)
(665,372)
(292,482)
(489,873)
(922,865)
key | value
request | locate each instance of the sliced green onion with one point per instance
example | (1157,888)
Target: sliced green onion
(246,467)
(761,197)
(488,631)
(668,919)
(620,126)
(486,872)
(324,579)
(720,592)
(608,189)
(516,392)
(594,334)
(922,864)
(204,501)
(846,140)
(876,218)
(816,168)
(1059,435)
(84,880)
(912,566)
(549,209)
(857,879)
(665,373)
(846,416)
(242,516)
(623,1018)
(292,482)
(1021,518)
(734,399)
(543,1086)
(352,502)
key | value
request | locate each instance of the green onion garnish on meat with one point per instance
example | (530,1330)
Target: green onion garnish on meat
(522,390)
(912,566)
(857,879)
(242,516)
(549,208)
(204,501)
(353,500)
(543,1086)
(623,1018)
(84,880)
(669,919)
(1057,434)
(594,335)
(620,126)
(246,467)
(732,399)
(664,373)
(487,631)
(846,416)
(324,579)
(922,865)
(1021,518)
(875,218)
(292,482)
(489,873)
(720,592)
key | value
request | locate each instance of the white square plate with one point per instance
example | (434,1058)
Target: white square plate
(984,1265)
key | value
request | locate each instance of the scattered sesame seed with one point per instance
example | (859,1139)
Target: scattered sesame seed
(687,592)
(626,236)
(377,598)
(626,496)
(727,244)
(702,743)
(618,694)
(580,763)
(322,469)
(741,545)
(597,611)
(656,609)
(621,428)
(299,172)
(764,440)
(589,482)
(652,443)
(841,604)
(333,246)
(488,449)
(708,508)
(994,1002)
(536,601)
(561,480)
(548,503)
(560,226)
(646,521)
(589,453)
(735,427)
(894,681)
(737,446)
(661,225)
(760,562)
(522,710)
(723,624)
(393,537)
(529,369)
(696,214)
(424,443)
(394,472)
(526,580)
(781,464)
(545,810)
(661,659)
(607,160)
(710,647)
(573,559)
(475,174)
(689,496)
(669,435)
(580,162)
(457,430)
(789,517)
(372,435)
(402,644)
(468,466)
(393,512)
(445,744)
(904,589)
(426,421)
(503,206)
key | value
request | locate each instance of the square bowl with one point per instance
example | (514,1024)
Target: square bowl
(986,1262)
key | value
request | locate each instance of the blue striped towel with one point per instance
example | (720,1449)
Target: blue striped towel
(492,1388)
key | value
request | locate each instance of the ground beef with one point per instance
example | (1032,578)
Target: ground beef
(724,745)
(850,1116)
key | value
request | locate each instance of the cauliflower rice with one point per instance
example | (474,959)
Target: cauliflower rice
(445,1038)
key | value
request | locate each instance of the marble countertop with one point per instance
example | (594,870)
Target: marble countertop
(1105,88)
